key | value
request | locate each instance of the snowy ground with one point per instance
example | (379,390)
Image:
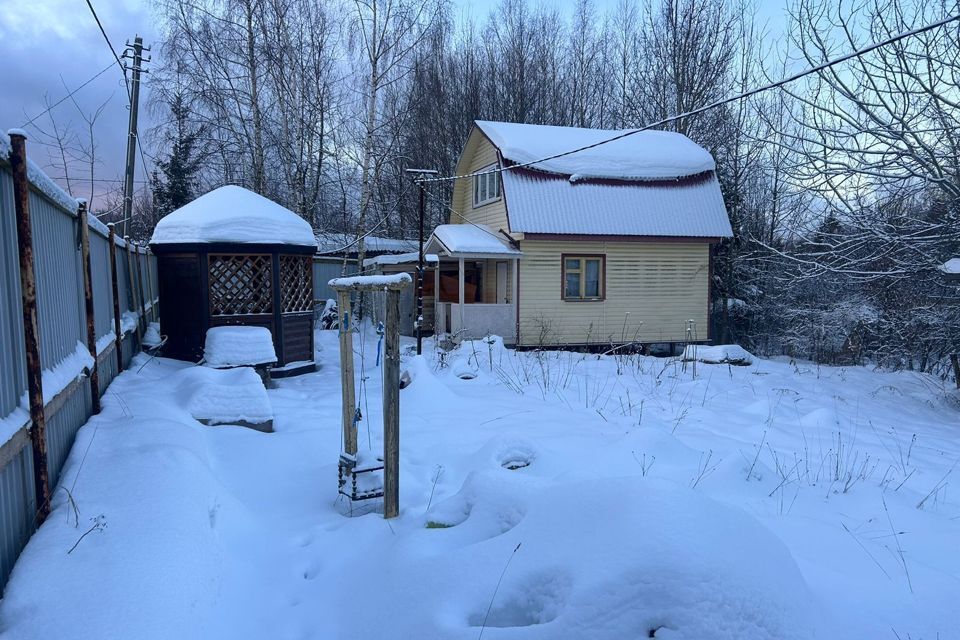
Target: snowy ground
(769,501)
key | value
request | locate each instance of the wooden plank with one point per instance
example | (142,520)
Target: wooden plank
(31,332)
(391,407)
(346,373)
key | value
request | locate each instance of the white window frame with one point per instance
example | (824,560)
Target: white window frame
(482,185)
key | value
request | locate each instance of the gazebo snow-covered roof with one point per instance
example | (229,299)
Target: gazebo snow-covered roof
(233,257)
(233,215)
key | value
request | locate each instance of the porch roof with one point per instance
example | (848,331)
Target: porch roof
(470,241)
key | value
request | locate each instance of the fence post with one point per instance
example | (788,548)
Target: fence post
(143,311)
(116,296)
(31,333)
(133,284)
(88,303)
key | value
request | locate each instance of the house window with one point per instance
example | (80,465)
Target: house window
(486,186)
(583,277)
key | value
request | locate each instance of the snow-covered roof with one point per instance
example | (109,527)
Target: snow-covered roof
(645,155)
(543,203)
(400,258)
(233,214)
(347,243)
(470,239)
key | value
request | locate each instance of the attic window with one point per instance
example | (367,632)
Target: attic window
(583,277)
(486,186)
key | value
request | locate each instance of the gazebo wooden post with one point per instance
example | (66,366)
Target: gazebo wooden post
(392,285)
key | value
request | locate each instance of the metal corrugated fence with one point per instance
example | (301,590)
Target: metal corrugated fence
(62,324)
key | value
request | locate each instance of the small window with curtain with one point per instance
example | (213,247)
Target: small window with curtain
(486,186)
(583,277)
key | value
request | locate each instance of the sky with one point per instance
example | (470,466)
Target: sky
(50,47)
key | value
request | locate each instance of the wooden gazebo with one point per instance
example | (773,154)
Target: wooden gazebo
(233,257)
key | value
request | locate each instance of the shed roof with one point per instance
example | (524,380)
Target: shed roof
(644,155)
(340,243)
(470,240)
(232,214)
(544,203)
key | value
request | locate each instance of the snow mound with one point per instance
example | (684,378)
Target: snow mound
(238,346)
(151,337)
(397,279)
(645,155)
(718,354)
(223,396)
(614,558)
(233,214)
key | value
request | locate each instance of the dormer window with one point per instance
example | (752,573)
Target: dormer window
(486,186)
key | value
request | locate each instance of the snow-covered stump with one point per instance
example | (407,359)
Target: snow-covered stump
(391,285)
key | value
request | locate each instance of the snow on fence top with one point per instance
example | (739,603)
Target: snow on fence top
(45,183)
(233,214)
(647,155)
(369,283)
(472,239)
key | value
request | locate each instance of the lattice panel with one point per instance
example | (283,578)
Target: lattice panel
(296,283)
(240,284)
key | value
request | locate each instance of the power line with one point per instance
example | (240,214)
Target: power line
(718,103)
(107,38)
(65,98)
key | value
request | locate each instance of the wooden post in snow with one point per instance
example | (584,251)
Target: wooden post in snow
(346,373)
(88,303)
(392,285)
(115,287)
(31,333)
(391,406)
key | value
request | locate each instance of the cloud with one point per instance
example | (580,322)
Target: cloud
(50,47)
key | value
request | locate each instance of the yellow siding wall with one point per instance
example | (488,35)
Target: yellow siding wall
(661,285)
(477,154)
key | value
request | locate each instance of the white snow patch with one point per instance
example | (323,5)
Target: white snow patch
(104,341)
(55,380)
(645,155)
(400,258)
(234,346)
(13,422)
(151,337)
(128,321)
(371,281)
(718,354)
(224,396)
(951,266)
(233,214)
(39,179)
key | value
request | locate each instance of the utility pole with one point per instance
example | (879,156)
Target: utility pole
(418,179)
(134,96)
